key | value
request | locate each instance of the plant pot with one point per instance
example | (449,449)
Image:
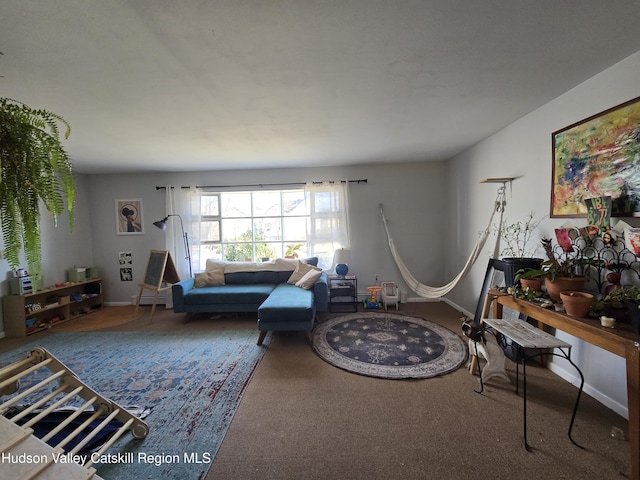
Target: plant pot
(563,284)
(534,284)
(620,314)
(576,304)
(511,265)
(634,313)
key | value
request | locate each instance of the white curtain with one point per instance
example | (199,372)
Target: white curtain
(184,202)
(328,225)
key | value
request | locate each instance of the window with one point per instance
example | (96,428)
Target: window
(251,226)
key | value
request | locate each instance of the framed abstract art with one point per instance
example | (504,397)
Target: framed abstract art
(595,158)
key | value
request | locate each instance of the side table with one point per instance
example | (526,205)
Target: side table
(343,292)
(526,336)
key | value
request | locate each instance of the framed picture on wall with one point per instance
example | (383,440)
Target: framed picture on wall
(129,217)
(598,157)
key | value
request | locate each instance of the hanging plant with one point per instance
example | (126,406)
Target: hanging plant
(35,170)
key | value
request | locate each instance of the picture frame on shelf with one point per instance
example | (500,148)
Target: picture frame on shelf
(129,217)
(598,157)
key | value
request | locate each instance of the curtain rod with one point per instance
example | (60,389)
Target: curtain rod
(364,180)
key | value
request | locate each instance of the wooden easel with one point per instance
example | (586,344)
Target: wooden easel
(160,268)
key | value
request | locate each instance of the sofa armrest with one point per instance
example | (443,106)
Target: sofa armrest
(321,293)
(178,291)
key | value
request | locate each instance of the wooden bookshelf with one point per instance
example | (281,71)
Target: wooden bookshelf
(50,306)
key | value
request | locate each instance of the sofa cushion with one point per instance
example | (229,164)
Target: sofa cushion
(229,294)
(287,304)
(250,278)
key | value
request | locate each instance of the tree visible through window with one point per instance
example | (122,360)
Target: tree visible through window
(252,226)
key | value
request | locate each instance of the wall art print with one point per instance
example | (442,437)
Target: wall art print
(598,157)
(129,217)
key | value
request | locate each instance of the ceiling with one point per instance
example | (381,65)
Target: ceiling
(189,85)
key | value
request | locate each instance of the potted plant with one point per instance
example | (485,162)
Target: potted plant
(527,286)
(531,278)
(622,303)
(576,304)
(36,170)
(292,251)
(561,275)
(517,253)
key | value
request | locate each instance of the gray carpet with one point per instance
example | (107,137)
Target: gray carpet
(303,418)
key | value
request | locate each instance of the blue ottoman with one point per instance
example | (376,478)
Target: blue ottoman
(288,308)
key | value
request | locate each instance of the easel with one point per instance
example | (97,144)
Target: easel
(160,268)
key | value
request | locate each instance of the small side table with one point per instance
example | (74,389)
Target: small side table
(526,336)
(343,292)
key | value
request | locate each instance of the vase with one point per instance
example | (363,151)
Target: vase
(576,304)
(563,284)
(511,265)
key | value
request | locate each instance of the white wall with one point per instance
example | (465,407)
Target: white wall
(411,194)
(523,150)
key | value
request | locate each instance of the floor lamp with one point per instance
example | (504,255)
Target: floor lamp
(162,225)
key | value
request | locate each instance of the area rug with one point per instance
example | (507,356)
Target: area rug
(192,381)
(99,319)
(389,345)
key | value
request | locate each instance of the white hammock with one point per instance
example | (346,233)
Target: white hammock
(439,292)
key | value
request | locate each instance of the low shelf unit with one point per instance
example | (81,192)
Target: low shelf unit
(32,312)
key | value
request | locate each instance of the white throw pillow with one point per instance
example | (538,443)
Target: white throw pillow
(209,278)
(309,279)
(301,269)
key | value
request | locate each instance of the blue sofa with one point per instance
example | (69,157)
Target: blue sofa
(256,287)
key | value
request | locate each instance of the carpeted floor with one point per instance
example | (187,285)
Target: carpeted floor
(303,418)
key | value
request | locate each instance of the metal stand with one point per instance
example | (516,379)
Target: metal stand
(526,336)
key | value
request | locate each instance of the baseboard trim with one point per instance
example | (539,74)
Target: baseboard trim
(118,304)
(608,402)
(458,307)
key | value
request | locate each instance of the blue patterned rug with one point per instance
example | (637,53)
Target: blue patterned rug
(192,381)
(389,345)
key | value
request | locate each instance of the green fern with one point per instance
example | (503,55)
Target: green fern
(36,171)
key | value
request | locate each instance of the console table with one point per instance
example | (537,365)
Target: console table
(621,342)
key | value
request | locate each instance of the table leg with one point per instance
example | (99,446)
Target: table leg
(633,396)
(524,399)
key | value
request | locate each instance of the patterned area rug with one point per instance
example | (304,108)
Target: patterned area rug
(388,345)
(192,381)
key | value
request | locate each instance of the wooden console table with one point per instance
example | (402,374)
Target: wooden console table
(623,343)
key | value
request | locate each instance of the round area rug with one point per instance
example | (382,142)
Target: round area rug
(388,345)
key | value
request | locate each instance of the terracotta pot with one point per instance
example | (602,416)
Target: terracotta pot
(534,284)
(576,304)
(563,284)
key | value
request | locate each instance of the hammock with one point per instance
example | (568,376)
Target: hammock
(439,292)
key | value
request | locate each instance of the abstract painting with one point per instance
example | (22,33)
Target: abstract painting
(598,157)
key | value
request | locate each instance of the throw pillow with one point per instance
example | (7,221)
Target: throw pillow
(301,269)
(209,279)
(309,279)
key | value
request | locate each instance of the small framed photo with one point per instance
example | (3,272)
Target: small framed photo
(129,217)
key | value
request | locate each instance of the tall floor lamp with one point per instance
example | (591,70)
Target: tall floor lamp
(162,225)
